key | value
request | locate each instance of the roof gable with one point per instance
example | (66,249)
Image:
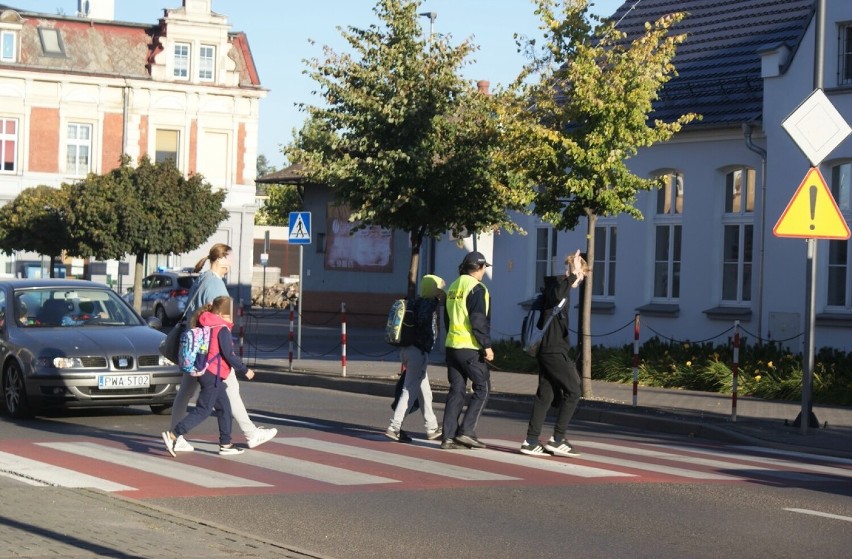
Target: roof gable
(719,65)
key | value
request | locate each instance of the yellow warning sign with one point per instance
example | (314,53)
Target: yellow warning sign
(812,213)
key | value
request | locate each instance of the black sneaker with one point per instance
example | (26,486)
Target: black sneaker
(533,449)
(450,444)
(404,437)
(470,442)
(399,435)
(560,448)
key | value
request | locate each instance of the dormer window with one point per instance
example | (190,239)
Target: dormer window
(51,41)
(8,46)
(181,62)
(206,63)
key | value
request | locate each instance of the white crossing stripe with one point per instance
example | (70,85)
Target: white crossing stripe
(817,468)
(796,454)
(55,475)
(161,466)
(399,461)
(732,467)
(304,468)
(822,514)
(541,463)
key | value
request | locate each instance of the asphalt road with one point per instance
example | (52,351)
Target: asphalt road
(753,513)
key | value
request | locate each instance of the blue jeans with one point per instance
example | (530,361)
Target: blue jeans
(212,400)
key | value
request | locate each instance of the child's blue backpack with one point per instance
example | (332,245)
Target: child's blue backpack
(193,350)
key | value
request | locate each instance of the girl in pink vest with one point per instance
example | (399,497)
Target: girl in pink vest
(212,399)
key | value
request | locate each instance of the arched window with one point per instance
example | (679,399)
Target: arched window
(667,237)
(738,235)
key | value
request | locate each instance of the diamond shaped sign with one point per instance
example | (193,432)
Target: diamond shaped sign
(817,127)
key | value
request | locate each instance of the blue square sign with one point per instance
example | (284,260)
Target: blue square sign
(300,228)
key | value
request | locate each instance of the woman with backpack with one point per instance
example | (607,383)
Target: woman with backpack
(207,287)
(213,398)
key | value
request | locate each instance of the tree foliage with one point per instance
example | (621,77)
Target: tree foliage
(149,209)
(402,138)
(35,221)
(281,200)
(587,93)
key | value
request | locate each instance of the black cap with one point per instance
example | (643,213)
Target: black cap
(474,258)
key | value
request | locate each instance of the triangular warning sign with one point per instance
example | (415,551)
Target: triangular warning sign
(812,212)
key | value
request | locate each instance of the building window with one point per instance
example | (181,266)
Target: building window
(206,63)
(603,279)
(79,148)
(667,242)
(8,46)
(51,41)
(738,235)
(839,288)
(167,147)
(545,254)
(844,49)
(181,63)
(9,144)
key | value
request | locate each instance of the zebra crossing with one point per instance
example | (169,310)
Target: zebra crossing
(332,462)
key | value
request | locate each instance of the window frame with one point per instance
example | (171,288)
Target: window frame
(207,63)
(181,63)
(738,221)
(158,158)
(669,207)
(75,144)
(838,261)
(4,35)
(844,54)
(45,36)
(4,140)
(605,259)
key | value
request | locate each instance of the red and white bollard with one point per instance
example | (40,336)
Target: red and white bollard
(291,337)
(636,359)
(343,337)
(735,369)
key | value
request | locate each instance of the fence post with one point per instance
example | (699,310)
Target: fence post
(635,359)
(343,337)
(735,371)
(290,336)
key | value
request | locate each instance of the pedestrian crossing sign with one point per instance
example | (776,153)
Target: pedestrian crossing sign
(812,212)
(300,228)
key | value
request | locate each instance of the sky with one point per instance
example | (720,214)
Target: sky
(279,34)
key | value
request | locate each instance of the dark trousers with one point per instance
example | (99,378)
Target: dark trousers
(557,378)
(212,400)
(464,365)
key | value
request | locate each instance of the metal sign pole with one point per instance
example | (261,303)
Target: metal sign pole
(301,282)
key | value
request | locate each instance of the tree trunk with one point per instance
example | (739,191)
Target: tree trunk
(587,306)
(416,238)
(137,282)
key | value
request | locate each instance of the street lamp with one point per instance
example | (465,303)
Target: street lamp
(432,16)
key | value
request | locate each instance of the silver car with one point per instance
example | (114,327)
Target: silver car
(76,343)
(164,295)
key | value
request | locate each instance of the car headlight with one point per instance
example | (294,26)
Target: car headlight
(61,362)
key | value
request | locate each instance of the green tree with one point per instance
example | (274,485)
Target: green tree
(589,113)
(263,166)
(149,209)
(402,138)
(35,221)
(281,200)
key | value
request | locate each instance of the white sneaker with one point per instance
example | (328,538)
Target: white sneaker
(261,435)
(168,439)
(181,445)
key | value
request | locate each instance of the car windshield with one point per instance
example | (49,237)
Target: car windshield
(64,306)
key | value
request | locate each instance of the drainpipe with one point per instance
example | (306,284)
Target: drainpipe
(747,130)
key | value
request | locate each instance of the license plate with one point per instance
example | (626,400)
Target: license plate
(107,382)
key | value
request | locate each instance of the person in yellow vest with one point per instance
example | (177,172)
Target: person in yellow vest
(467,313)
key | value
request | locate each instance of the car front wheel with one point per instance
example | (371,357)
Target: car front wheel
(14,392)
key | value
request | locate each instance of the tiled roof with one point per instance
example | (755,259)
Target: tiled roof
(110,47)
(718,65)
